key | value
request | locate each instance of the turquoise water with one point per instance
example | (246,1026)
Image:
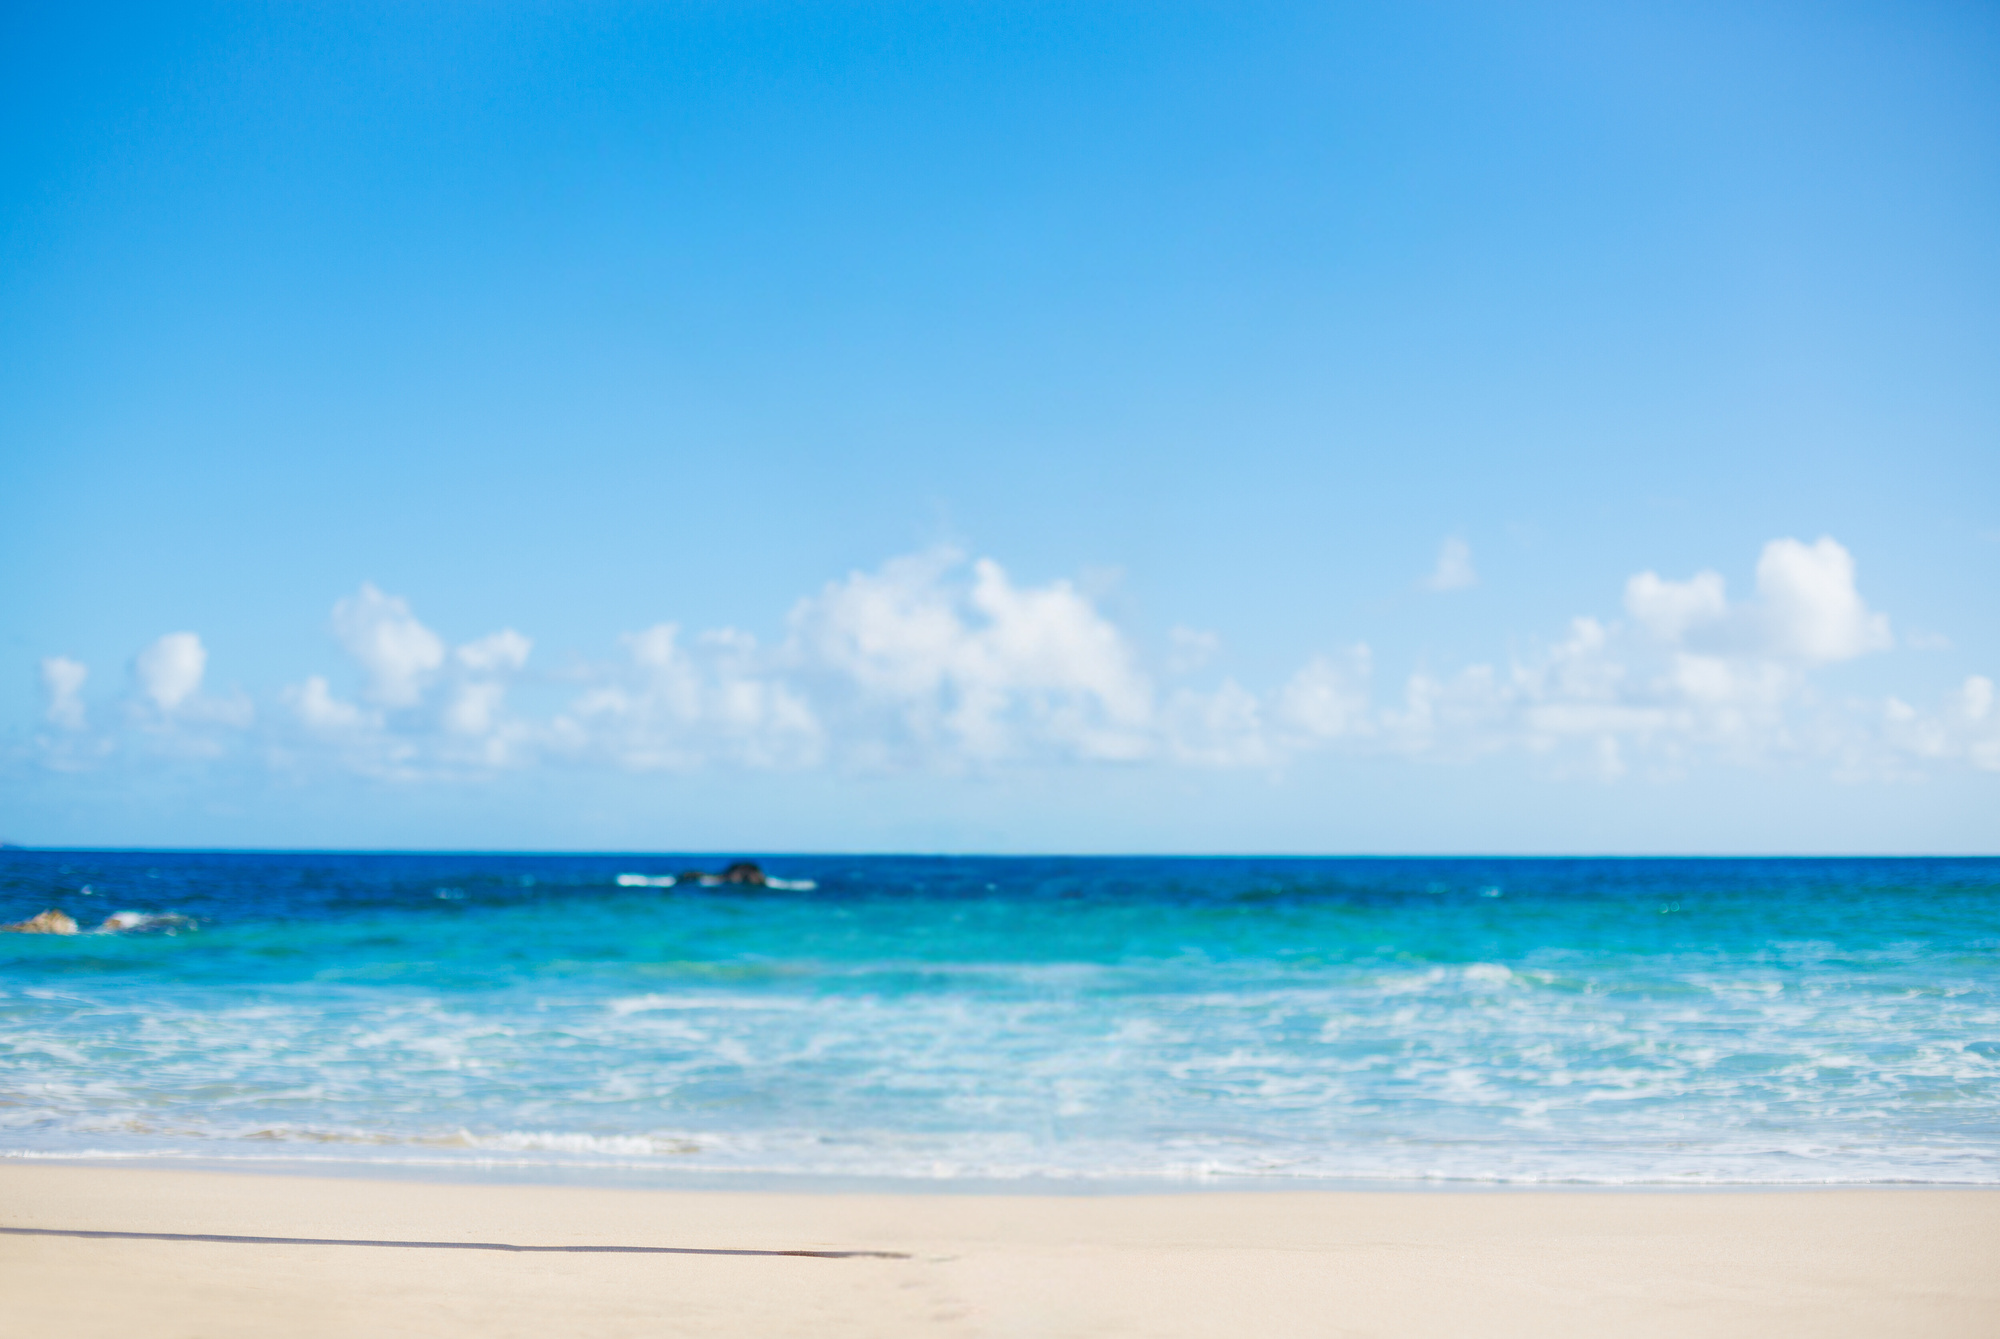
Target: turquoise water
(1594,1021)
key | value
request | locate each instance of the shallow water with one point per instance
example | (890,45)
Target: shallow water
(1594,1021)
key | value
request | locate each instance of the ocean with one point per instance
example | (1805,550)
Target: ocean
(969,1021)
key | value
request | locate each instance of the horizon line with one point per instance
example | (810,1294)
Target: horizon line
(773,854)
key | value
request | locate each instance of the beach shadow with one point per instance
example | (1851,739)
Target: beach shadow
(437,1245)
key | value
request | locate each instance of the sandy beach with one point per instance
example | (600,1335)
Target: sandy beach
(412,1258)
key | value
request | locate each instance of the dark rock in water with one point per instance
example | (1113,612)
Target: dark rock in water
(53,922)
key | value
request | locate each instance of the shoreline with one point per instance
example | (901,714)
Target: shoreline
(615,1176)
(226,1254)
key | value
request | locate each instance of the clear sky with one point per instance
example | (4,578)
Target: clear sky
(1347,428)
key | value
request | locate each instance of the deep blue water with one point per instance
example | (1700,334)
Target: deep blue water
(1614,1021)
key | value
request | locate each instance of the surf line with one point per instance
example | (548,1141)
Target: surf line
(437,1245)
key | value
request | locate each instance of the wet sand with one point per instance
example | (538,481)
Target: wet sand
(348,1256)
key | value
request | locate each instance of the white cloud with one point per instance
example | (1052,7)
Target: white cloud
(931,662)
(1811,610)
(1668,609)
(432,714)
(1454,567)
(399,653)
(1965,727)
(474,708)
(896,631)
(672,707)
(1224,728)
(1807,609)
(62,685)
(1692,676)
(1328,699)
(495,652)
(984,671)
(170,670)
(319,709)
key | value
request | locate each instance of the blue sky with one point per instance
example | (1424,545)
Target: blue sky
(959,427)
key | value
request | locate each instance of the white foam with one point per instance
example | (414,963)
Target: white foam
(556,1141)
(120,922)
(711,881)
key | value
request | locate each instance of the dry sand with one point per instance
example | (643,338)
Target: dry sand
(1820,1263)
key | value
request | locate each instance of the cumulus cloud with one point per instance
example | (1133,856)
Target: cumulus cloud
(1964,727)
(1222,728)
(474,708)
(1811,610)
(62,690)
(1692,675)
(1669,609)
(1329,698)
(399,653)
(170,670)
(678,706)
(424,712)
(936,662)
(319,709)
(1454,569)
(499,651)
(984,669)
(1807,610)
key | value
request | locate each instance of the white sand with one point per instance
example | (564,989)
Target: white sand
(1821,1263)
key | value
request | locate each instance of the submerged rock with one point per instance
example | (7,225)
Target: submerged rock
(50,922)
